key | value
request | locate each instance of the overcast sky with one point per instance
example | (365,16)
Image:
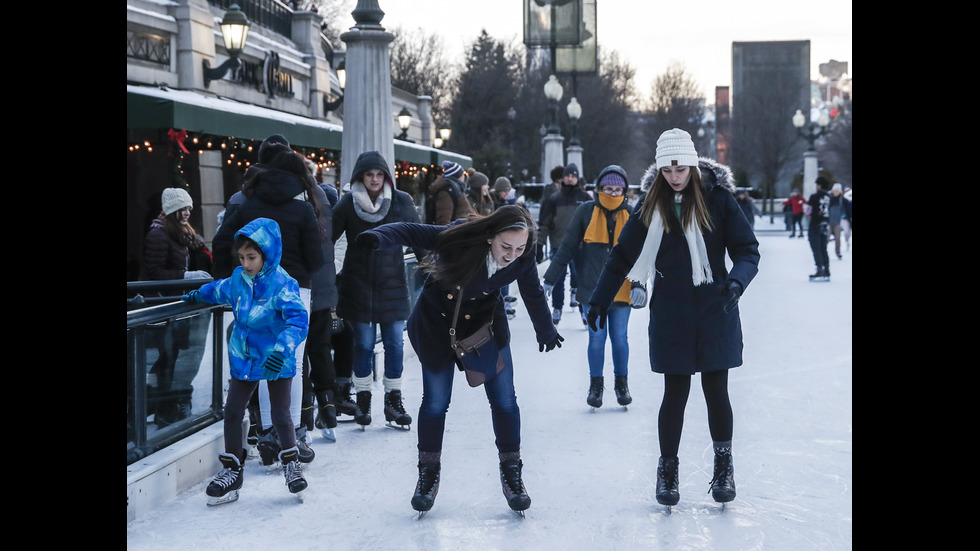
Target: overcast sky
(650,35)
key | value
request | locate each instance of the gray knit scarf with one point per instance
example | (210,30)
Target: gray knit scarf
(365,208)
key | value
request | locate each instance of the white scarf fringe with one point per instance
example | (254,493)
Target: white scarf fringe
(645,264)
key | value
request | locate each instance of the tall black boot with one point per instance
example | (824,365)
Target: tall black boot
(595,392)
(667,481)
(622,391)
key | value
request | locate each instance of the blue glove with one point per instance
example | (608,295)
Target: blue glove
(551,345)
(638,297)
(597,312)
(548,287)
(732,290)
(273,365)
(192,297)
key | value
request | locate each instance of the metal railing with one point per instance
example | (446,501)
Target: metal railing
(174,367)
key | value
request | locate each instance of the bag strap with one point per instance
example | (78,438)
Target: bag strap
(452,328)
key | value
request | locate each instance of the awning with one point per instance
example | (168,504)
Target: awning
(148,107)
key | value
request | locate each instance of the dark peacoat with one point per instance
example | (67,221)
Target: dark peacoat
(428,326)
(688,330)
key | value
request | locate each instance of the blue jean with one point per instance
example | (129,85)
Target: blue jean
(617,321)
(437,389)
(393,339)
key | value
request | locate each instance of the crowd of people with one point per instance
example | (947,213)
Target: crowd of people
(307,318)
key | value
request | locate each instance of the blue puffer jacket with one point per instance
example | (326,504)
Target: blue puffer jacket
(269,314)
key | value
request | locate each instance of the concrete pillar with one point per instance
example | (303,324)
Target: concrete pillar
(553,155)
(212,192)
(574,155)
(195,37)
(306,35)
(810,172)
(368,117)
(425,120)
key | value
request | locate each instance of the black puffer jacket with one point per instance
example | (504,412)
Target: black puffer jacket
(372,284)
(689,332)
(276,192)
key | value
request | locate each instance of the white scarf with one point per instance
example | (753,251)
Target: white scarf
(645,265)
(492,266)
(365,208)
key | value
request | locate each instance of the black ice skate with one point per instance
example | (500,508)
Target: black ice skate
(224,488)
(513,486)
(395,416)
(822,274)
(292,470)
(326,416)
(595,393)
(306,453)
(571,299)
(426,488)
(723,483)
(363,415)
(622,391)
(345,406)
(268,447)
(667,482)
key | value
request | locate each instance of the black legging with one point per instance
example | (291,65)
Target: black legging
(239,393)
(714,384)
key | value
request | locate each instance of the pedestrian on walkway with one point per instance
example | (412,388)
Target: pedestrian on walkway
(372,285)
(819,230)
(595,229)
(445,199)
(796,202)
(556,211)
(837,212)
(270,323)
(469,262)
(280,187)
(677,239)
(748,206)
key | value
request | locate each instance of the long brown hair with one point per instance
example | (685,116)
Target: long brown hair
(461,250)
(661,197)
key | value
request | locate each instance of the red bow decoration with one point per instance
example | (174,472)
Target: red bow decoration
(178,137)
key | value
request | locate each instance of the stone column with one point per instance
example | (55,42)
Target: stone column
(574,155)
(553,156)
(368,117)
(424,107)
(196,28)
(810,173)
(306,35)
(212,193)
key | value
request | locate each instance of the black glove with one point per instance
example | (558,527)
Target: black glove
(597,312)
(539,254)
(367,240)
(551,345)
(732,290)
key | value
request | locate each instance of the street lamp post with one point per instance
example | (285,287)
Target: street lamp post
(573,152)
(234,32)
(552,140)
(814,130)
(404,122)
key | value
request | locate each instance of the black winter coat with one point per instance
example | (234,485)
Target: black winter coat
(688,330)
(163,256)
(372,284)
(274,196)
(428,326)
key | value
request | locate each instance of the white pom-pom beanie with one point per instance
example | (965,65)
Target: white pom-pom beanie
(675,147)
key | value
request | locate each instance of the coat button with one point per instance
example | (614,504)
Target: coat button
(467,316)
(449,296)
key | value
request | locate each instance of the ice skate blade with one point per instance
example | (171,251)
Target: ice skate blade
(329,435)
(299,496)
(420,514)
(253,452)
(520,514)
(227,498)
(392,425)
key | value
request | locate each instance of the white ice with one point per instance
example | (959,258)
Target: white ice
(590,475)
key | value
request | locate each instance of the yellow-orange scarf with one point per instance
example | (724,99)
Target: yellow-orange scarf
(598,231)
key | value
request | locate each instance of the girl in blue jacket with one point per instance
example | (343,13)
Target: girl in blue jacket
(270,322)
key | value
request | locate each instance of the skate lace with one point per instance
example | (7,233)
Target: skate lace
(395,403)
(225,477)
(512,477)
(292,471)
(723,470)
(427,481)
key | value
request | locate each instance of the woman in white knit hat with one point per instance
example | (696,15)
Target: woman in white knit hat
(677,239)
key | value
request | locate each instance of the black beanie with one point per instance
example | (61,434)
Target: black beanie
(823,183)
(272,146)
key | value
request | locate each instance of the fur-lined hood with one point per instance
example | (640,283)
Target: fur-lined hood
(713,174)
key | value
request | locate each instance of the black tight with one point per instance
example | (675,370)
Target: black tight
(239,393)
(714,384)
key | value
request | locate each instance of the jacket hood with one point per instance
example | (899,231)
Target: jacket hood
(367,161)
(713,174)
(267,235)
